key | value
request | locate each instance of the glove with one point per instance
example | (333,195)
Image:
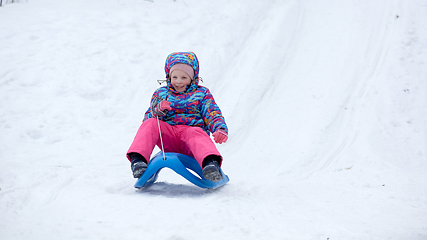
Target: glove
(162,108)
(220,136)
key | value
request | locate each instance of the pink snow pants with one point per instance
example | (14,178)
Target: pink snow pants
(188,140)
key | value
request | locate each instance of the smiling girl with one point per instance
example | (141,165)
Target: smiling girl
(187,114)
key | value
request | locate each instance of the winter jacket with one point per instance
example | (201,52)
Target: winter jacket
(193,107)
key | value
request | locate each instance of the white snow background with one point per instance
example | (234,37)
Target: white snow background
(325,102)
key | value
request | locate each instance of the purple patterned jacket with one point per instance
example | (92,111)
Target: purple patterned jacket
(193,107)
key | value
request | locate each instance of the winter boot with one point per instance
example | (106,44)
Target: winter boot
(211,169)
(138,164)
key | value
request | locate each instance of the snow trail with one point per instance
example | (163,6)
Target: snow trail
(325,103)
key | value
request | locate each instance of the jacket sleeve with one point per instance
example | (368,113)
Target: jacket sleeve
(211,114)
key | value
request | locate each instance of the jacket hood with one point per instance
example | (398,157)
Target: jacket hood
(188,58)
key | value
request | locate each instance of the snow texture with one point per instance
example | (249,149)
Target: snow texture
(325,101)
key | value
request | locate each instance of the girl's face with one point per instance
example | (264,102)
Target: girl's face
(180,80)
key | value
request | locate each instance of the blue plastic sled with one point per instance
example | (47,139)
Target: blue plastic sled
(179,163)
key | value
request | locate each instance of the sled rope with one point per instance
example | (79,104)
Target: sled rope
(161,140)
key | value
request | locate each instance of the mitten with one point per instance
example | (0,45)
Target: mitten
(220,136)
(162,108)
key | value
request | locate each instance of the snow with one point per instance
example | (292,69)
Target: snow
(325,102)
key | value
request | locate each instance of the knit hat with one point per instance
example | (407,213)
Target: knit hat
(187,58)
(183,67)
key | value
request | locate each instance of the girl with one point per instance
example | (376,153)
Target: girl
(186,114)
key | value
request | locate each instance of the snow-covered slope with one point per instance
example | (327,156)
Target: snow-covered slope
(325,101)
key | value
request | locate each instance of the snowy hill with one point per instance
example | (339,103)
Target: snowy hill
(325,101)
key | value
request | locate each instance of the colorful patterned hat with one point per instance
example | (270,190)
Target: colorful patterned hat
(189,58)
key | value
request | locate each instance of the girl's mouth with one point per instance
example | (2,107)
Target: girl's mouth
(179,87)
